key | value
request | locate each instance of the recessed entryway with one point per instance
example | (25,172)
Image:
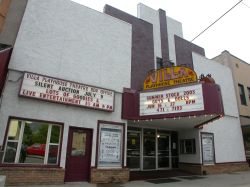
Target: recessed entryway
(150,149)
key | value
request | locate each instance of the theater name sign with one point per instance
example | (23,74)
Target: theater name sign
(181,99)
(66,92)
(170,76)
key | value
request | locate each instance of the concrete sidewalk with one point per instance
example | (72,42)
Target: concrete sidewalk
(237,179)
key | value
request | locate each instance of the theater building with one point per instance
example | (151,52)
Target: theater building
(106,97)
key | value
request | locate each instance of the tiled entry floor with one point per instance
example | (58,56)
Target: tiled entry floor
(145,175)
(176,179)
(161,181)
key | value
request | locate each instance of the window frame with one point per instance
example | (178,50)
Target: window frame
(213,160)
(248,89)
(122,163)
(183,147)
(159,63)
(243,100)
(42,165)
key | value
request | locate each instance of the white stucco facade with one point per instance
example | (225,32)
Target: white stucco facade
(13,105)
(64,40)
(152,16)
(223,77)
(228,138)
(174,28)
(66,37)
(191,158)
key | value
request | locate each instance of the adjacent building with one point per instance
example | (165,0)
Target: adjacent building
(103,97)
(240,71)
(11,14)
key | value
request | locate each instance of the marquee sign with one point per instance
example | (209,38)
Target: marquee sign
(170,76)
(66,92)
(182,99)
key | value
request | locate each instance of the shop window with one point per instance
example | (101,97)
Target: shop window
(187,146)
(159,63)
(242,94)
(248,93)
(246,137)
(78,144)
(30,142)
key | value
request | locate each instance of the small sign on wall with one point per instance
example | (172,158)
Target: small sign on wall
(110,145)
(66,92)
(207,143)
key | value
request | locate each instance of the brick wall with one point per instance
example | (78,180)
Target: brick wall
(30,176)
(225,168)
(109,175)
(214,169)
(191,168)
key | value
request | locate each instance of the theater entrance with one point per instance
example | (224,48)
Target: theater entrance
(149,149)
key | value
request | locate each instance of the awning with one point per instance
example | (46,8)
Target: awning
(179,123)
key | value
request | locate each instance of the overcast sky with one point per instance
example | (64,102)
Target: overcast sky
(231,33)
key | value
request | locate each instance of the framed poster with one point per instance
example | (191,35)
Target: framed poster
(207,144)
(110,144)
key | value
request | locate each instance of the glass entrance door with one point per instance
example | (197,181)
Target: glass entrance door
(133,149)
(149,151)
(164,153)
